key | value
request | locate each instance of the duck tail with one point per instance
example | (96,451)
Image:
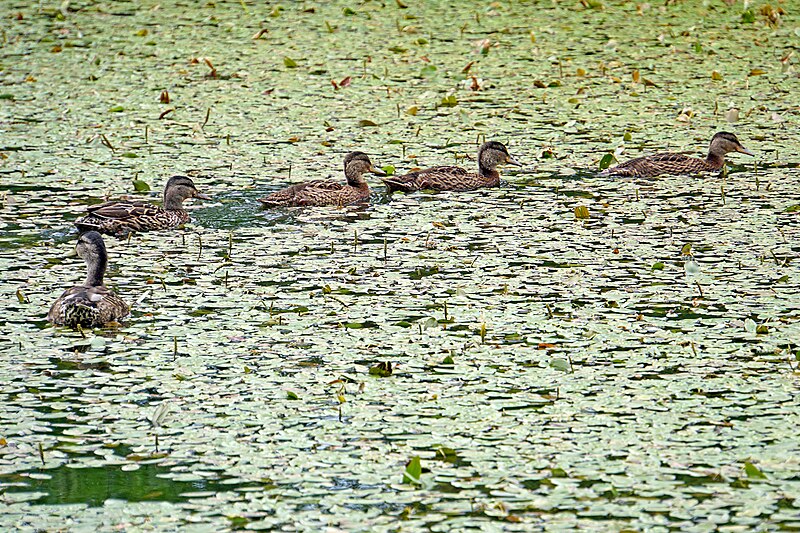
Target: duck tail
(617,172)
(395,185)
(85,224)
(271,202)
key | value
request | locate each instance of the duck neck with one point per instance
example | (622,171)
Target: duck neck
(357,180)
(173,201)
(715,160)
(96,268)
(488,171)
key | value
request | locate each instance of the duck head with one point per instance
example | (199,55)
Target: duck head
(491,154)
(356,164)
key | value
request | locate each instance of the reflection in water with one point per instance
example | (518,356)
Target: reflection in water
(241,209)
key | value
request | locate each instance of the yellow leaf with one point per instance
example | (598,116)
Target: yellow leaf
(581,212)
(716,76)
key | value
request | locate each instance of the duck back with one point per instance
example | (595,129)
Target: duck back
(120,218)
(317,193)
(657,164)
(87,307)
(441,179)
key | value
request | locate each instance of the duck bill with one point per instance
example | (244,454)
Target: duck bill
(202,196)
(512,161)
(377,171)
(743,150)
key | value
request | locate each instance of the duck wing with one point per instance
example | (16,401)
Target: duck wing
(316,192)
(440,179)
(121,218)
(657,164)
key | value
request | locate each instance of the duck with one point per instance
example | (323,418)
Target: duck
(90,304)
(329,192)
(722,143)
(490,154)
(122,218)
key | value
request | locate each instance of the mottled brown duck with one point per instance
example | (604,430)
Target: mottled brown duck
(329,192)
(121,218)
(676,163)
(90,304)
(490,155)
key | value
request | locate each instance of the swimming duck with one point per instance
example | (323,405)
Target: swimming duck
(329,192)
(121,218)
(490,154)
(90,304)
(675,163)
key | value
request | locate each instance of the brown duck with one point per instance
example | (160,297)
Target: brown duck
(121,218)
(676,163)
(90,304)
(490,154)
(329,192)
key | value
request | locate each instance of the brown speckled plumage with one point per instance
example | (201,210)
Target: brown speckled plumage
(490,155)
(675,163)
(328,192)
(90,304)
(121,218)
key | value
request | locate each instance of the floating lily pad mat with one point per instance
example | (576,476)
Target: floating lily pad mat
(567,351)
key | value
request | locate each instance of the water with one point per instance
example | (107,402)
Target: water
(550,372)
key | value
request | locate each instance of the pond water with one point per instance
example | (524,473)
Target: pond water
(636,369)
